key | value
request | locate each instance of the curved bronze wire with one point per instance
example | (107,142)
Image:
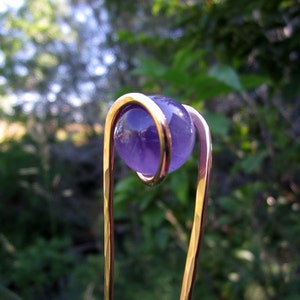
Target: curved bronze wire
(108,169)
(204,166)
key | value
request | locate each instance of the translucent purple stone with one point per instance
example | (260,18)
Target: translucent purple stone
(136,137)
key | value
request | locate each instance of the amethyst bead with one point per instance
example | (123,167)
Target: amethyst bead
(137,141)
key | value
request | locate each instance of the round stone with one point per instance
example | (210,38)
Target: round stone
(137,141)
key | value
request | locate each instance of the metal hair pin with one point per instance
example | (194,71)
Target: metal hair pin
(154,135)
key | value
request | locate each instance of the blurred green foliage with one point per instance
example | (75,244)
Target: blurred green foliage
(235,61)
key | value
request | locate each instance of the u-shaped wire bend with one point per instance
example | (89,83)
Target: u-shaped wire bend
(204,166)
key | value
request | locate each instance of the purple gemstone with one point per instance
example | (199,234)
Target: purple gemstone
(137,141)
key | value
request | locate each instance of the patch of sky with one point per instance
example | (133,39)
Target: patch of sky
(10,5)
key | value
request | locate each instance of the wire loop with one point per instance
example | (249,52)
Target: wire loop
(204,166)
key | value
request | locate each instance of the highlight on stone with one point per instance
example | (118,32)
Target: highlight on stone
(136,137)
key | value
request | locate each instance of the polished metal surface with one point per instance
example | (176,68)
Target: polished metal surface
(204,166)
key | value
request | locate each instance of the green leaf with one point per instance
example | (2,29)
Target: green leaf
(125,36)
(162,238)
(218,123)
(208,87)
(125,188)
(150,68)
(227,75)
(252,162)
(253,81)
(180,186)
(229,204)
(154,217)
(188,57)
